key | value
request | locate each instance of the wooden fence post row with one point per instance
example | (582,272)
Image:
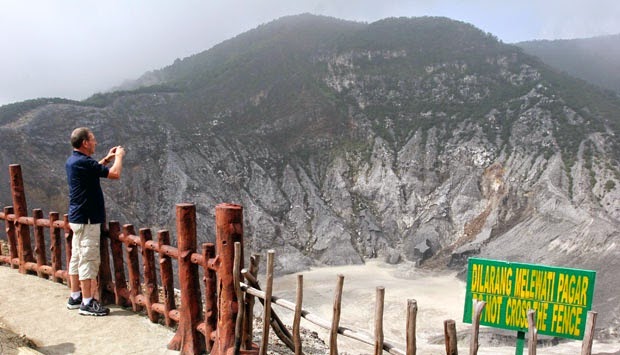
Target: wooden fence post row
(17,227)
(214,332)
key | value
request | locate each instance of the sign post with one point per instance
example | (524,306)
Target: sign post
(520,343)
(561,297)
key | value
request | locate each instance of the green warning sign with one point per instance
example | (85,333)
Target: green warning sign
(561,297)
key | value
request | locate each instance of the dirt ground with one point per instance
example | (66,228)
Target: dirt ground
(37,309)
(13,344)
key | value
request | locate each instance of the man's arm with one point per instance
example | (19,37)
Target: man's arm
(117,167)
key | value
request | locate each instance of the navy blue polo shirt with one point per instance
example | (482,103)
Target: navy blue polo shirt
(85,196)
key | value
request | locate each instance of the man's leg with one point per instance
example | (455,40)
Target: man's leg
(89,288)
(75,299)
(86,289)
(74,280)
(89,262)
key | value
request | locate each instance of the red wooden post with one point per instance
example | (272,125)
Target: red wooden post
(120,283)
(210,279)
(24,248)
(55,247)
(229,229)
(449,327)
(150,278)
(133,266)
(10,234)
(68,239)
(167,281)
(106,286)
(187,339)
(39,243)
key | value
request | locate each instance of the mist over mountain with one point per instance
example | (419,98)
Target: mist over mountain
(421,139)
(596,59)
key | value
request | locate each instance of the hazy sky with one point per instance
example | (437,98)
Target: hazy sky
(73,49)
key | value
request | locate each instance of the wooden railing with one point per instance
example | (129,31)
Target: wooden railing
(198,329)
(216,322)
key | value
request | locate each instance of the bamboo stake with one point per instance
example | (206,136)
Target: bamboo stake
(333,340)
(325,324)
(588,338)
(412,312)
(299,296)
(478,306)
(449,327)
(532,337)
(240,311)
(379,320)
(249,304)
(267,304)
(276,324)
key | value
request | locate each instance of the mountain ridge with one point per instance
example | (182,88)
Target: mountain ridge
(594,59)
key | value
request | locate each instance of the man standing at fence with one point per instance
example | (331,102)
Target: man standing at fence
(86,213)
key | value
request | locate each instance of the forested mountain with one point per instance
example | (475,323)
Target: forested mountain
(421,139)
(596,59)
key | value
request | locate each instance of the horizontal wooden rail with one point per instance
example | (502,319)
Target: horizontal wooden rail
(173,252)
(202,328)
(41,222)
(388,346)
(169,251)
(151,244)
(129,239)
(159,308)
(31,266)
(7,259)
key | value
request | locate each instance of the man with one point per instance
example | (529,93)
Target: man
(86,213)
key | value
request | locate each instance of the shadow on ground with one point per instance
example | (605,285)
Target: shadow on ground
(58,349)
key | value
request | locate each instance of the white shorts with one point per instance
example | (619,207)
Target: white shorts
(85,254)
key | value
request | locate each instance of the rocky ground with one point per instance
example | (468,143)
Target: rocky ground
(11,343)
(311,342)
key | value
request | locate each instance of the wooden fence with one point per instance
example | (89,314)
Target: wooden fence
(216,322)
(197,328)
